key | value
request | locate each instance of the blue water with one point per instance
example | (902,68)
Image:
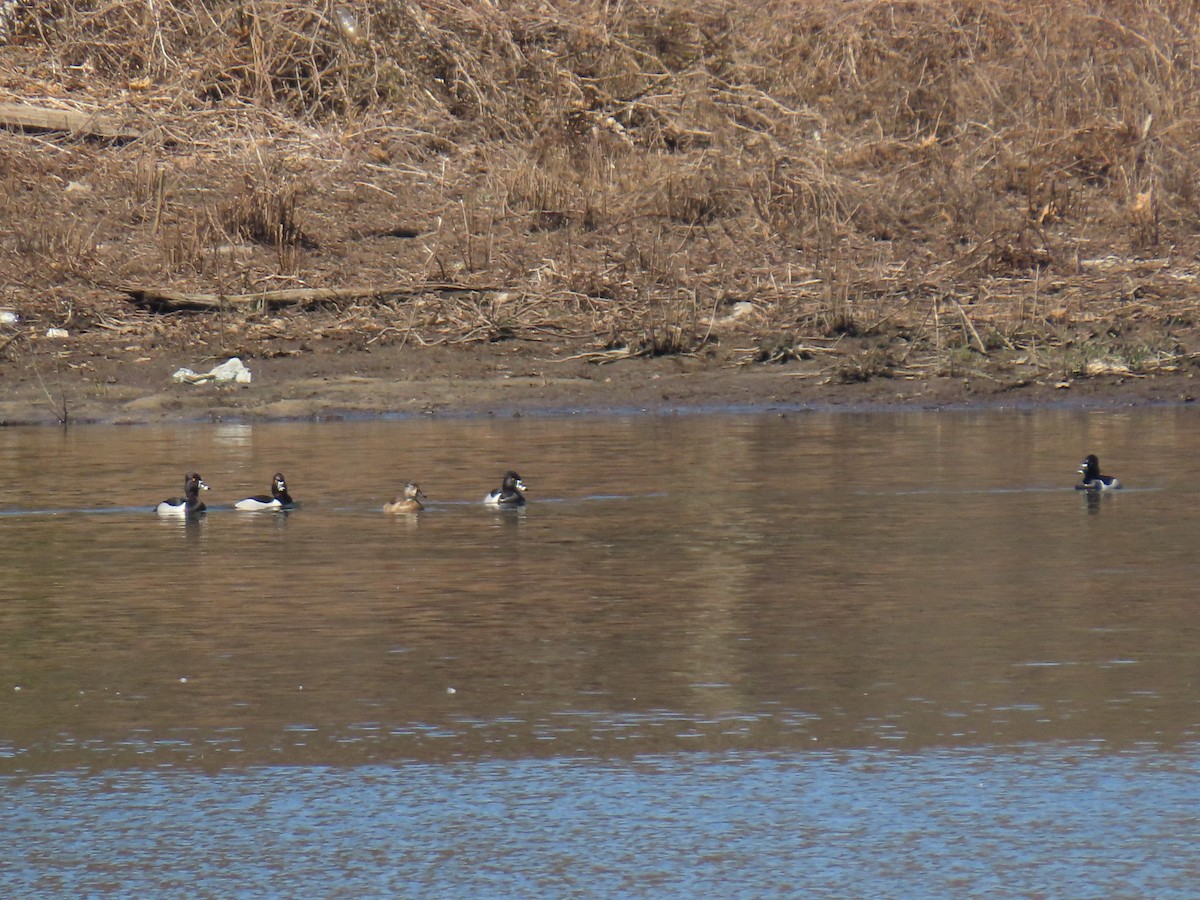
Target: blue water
(1030,821)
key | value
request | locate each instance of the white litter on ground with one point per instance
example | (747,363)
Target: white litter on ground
(231,370)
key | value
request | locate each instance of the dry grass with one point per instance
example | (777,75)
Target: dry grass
(844,166)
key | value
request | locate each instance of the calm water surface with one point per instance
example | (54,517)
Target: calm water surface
(835,654)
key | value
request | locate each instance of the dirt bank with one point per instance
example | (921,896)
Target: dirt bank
(459,208)
(103,378)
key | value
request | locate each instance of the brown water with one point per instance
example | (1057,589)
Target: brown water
(731,588)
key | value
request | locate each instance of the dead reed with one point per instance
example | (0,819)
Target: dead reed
(840,165)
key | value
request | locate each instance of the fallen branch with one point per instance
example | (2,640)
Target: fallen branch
(163,300)
(40,118)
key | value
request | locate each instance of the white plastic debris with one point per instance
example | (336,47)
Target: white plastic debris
(57,333)
(347,24)
(737,311)
(231,370)
(1106,366)
(8,317)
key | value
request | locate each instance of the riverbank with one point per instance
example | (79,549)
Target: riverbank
(104,379)
(456,208)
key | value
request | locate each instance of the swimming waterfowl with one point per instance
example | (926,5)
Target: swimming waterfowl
(279,499)
(409,502)
(189,503)
(509,494)
(1092,479)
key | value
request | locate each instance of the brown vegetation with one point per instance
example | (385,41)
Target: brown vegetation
(866,188)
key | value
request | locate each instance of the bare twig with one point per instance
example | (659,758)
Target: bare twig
(967,326)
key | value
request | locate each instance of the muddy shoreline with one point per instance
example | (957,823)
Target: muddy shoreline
(90,386)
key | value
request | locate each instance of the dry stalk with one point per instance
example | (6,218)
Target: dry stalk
(961,149)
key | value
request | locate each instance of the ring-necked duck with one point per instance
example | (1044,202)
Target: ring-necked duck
(410,502)
(189,503)
(509,493)
(279,499)
(1092,479)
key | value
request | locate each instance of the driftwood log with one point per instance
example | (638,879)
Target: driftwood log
(40,118)
(162,300)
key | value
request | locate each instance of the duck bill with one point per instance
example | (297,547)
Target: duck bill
(202,486)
